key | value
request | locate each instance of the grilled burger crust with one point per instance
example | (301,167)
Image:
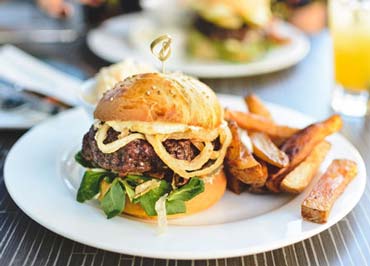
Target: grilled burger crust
(136,157)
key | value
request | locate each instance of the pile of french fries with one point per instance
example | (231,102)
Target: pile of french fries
(267,157)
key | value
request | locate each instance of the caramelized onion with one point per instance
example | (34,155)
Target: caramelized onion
(175,165)
(200,138)
(101,135)
(172,162)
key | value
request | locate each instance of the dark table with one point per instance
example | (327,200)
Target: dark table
(305,87)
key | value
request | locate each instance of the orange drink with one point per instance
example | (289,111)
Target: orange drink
(350,31)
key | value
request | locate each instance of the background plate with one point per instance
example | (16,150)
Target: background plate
(129,36)
(238,225)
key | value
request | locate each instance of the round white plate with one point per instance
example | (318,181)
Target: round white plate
(22,118)
(129,36)
(41,178)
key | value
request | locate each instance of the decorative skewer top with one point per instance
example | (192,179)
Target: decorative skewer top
(165,51)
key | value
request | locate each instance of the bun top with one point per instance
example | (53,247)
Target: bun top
(157,97)
(233,13)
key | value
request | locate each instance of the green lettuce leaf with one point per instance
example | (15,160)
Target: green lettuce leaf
(80,159)
(194,187)
(90,184)
(129,189)
(113,202)
(175,206)
(148,200)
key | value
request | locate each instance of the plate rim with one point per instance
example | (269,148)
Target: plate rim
(184,255)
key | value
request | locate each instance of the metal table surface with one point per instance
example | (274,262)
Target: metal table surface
(305,87)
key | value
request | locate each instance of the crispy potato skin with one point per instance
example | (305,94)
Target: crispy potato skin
(234,184)
(256,106)
(301,176)
(317,205)
(240,165)
(255,175)
(233,155)
(265,149)
(281,151)
(301,144)
(255,122)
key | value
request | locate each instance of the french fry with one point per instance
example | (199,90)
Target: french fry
(255,176)
(300,145)
(266,150)
(317,205)
(241,164)
(301,176)
(256,106)
(258,190)
(234,184)
(237,154)
(255,122)
(278,141)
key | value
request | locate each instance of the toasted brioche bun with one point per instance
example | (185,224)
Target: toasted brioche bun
(212,193)
(158,97)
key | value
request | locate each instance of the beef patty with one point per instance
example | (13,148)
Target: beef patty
(138,156)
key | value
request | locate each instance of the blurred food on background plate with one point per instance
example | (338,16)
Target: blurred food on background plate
(310,16)
(232,30)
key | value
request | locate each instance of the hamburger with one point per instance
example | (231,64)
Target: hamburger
(232,30)
(156,148)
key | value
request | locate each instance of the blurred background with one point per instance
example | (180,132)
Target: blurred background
(273,48)
(312,56)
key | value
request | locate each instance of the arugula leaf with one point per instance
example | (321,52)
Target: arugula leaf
(194,187)
(81,160)
(113,202)
(175,206)
(89,186)
(129,190)
(148,200)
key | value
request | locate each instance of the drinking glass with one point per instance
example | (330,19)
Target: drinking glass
(350,30)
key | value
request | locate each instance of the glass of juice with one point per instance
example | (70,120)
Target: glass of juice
(350,30)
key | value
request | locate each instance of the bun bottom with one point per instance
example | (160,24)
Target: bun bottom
(212,193)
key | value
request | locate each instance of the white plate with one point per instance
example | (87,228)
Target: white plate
(39,164)
(129,36)
(22,118)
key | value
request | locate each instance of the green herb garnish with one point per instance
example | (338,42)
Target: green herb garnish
(194,187)
(175,206)
(114,200)
(148,200)
(80,159)
(90,185)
